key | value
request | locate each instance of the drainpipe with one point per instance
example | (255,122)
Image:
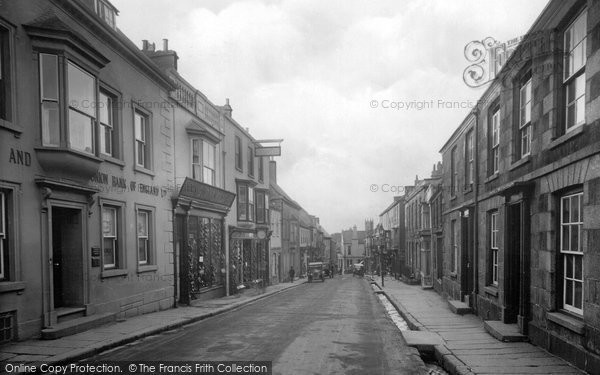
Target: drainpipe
(476,211)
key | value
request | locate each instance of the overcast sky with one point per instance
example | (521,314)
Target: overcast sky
(311,71)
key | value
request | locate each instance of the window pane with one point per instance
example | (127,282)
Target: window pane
(141,153)
(565,238)
(81,132)
(109,252)
(49,76)
(208,154)
(108,221)
(569,266)
(140,127)
(578,264)
(250,195)
(575,209)
(106,140)
(195,151)
(568,292)
(82,90)
(2,214)
(105,109)
(196,171)
(565,210)
(142,224)
(208,176)
(50,124)
(578,295)
(142,250)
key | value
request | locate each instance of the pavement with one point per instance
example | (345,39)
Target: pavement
(96,340)
(461,343)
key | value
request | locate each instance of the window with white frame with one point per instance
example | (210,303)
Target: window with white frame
(107,119)
(495,142)
(239,162)
(5,73)
(143,236)
(203,161)
(250,161)
(571,224)
(106,12)
(142,141)
(469,155)
(454,247)
(574,71)
(3,238)
(525,118)
(262,207)
(49,98)
(82,108)
(110,237)
(453,172)
(494,247)
(245,202)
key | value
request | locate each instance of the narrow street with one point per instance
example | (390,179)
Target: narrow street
(336,327)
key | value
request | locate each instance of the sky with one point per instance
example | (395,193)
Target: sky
(363,92)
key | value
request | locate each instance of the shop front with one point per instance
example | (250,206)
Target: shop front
(200,211)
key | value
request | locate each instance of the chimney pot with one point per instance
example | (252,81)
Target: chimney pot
(165,45)
(153,47)
(144,45)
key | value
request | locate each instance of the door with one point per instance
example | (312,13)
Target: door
(67,257)
(466,282)
(514,235)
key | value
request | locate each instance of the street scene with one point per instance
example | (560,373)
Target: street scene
(300,187)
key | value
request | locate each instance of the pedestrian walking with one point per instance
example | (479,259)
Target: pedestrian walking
(292,273)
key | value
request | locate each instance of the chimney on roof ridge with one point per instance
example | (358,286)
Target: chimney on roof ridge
(227,108)
(165,45)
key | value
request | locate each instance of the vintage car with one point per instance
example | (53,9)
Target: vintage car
(316,271)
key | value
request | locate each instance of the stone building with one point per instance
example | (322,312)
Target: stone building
(200,201)
(522,174)
(86,132)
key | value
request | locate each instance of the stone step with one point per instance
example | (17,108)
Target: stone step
(64,314)
(504,332)
(77,325)
(458,307)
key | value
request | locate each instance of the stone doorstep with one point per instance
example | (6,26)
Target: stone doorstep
(78,325)
(423,341)
(458,307)
(504,332)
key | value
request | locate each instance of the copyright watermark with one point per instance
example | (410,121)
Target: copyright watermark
(419,105)
(386,188)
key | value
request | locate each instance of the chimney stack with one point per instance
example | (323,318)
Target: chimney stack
(227,108)
(165,45)
(273,171)
(144,45)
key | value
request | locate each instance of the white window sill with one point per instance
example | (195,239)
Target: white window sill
(11,126)
(113,273)
(143,170)
(12,286)
(492,177)
(567,321)
(147,268)
(491,290)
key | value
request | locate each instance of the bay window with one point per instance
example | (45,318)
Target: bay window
(574,72)
(245,202)
(203,161)
(262,207)
(49,100)
(82,108)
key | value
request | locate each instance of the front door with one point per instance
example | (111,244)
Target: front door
(516,260)
(67,257)
(466,282)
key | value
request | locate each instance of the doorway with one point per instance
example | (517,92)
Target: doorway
(67,257)
(513,261)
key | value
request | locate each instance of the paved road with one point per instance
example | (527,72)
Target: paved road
(336,327)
